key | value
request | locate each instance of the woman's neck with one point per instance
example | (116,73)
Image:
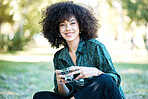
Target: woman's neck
(73,45)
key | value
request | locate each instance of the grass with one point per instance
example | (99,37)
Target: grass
(134,79)
(20,80)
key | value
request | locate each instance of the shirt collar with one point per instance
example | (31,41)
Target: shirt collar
(64,53)
(81,46)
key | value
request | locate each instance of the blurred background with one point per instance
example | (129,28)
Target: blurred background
(26,56)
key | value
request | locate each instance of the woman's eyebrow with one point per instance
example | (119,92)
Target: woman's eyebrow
(69,20)
(72,20)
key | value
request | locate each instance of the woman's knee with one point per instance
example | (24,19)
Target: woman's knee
(41,94)
(47,95)
(36,95)
(104,79)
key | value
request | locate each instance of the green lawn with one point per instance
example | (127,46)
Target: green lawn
(134,79)
(20,80)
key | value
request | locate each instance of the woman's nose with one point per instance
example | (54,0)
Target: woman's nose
(68,27)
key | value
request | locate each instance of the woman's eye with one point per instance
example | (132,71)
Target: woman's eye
(62,25)
(73,23)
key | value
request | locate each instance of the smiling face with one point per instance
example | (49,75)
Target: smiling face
(69,29)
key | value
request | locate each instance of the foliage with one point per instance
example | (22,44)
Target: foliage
(4,12)
(136,10)
(24,16)
(16,43)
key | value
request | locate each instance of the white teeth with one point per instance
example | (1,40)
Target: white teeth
(68,34)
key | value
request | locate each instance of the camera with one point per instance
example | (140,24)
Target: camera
(71,78)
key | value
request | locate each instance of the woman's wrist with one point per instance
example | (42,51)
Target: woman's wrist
(62,89)
(97,72)
(100,72)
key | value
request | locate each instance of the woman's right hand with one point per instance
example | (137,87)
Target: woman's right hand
(60,78)
(62,88)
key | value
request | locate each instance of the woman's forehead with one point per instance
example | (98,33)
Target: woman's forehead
(69,19)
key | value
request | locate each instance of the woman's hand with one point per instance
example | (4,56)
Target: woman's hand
(62,88)
(85,72)
(60,78)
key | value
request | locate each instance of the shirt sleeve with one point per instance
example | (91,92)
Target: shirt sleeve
(106,64)
(70,87)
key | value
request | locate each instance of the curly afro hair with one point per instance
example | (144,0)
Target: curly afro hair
(59,12)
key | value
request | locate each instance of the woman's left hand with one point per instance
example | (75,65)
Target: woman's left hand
(85,72)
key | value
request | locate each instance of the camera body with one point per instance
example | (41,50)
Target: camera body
(71,78)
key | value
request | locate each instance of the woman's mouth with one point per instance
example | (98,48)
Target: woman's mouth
(69,34)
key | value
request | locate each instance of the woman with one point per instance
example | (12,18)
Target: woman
(75,27)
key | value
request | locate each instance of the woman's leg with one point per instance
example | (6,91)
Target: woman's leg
(100,87)
(47,95)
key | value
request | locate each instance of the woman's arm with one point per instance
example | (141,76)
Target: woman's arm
(62,88)
(106,64)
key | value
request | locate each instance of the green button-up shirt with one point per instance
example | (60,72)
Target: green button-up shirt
(91,53)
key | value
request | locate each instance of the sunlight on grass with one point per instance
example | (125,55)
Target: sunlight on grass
(134,79)
(132,71)
(23,79)
(31,55)
(23,73)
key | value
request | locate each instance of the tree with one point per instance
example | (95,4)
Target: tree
(24,16)
(137,12)
(4,17)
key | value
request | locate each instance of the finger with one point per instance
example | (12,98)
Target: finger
(60,76)
(73,68)
(75,72)
(57,71)
(61,81)
(79,77)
